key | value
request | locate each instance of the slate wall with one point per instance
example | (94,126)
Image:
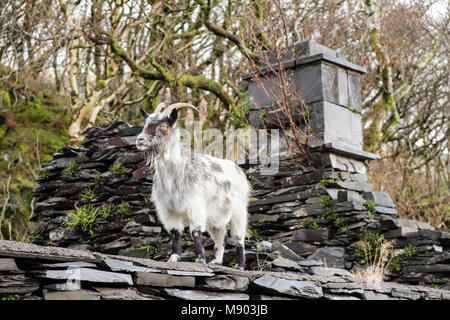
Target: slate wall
(31,272)
(301,217)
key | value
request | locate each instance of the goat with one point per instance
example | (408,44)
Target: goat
(204,192)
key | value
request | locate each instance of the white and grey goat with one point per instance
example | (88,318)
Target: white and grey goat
(201,191)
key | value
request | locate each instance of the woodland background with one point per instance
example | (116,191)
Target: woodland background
(67,65)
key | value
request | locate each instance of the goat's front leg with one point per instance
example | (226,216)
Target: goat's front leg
(176,245)
(198,246)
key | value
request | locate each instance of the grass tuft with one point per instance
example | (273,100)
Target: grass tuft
(84,219)
(117,169)
(71,169)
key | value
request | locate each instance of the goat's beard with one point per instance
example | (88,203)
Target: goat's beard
(151,155)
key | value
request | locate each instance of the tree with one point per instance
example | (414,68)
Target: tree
(109,57)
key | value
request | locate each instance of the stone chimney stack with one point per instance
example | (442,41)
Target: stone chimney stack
(331,86)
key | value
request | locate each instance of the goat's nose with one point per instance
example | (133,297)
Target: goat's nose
(140,139)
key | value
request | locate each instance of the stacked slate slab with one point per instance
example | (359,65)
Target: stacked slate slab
(301,217)
(313,214)
(32,272)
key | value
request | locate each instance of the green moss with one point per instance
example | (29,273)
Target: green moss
(101,84)
(3,130)
(32,127)
(374,39)
(5,100)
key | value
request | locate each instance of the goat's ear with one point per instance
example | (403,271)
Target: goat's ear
(143,113)
(173,117)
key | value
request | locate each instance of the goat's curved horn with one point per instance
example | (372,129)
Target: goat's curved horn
(160,108)
(178,106)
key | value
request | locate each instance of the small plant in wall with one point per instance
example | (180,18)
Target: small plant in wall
(332,215)
(38,236)
(345,229)
(253,235)
(339,222)
(154,247)
(396,265)
(369,246)
(325,200)
(71,169)
(44,174)
(84,219)
(117,169)
(311,224)
(98,180)
(124,208)
(325,182)
(88,195)
(378,255)
(411,250)
(370,206)
(107,211)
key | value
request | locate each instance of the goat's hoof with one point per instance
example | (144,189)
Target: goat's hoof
(240,268)
(200,260)
(215,262)
(174,258)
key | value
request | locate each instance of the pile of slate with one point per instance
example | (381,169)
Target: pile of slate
(321,211)
(32,272)
(315,213)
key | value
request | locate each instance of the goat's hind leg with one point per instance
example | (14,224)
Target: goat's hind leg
(240,254)
(218,235)
(238,232)
(176,245)
(198,246)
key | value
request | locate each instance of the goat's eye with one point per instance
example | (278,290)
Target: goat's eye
(150,129)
